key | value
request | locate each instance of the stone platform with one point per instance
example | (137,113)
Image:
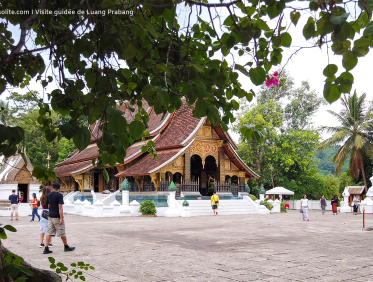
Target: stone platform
(276,247)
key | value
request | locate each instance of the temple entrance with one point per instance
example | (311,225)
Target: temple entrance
(196,168)
(23,188)
(177,177)
(211,174)
(96,186)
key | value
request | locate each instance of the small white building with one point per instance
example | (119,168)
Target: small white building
(15,174)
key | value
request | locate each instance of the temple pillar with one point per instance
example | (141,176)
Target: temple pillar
(187,165)
(221,165)
(100,182)
(155,180)
(139,180)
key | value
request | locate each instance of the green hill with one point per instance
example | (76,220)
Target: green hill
(325,163)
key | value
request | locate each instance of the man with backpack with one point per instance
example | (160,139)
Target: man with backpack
(13,204)
(56,222)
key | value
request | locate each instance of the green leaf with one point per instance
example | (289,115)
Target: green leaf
(68,130)
(82,138)
(349,60)
(129,52)
(27,271)
(235,104)
(330,70)
(262,25)
(309,28)
(257,75)
(106,175)
(363,43)
(241,69)
(82,278)
(285,40)
(294,16)
(2,234)
(136,129)
(347,76)
(231,41)
(331,92)
(343,31)
(275,9)
(20,279)
(132,85)
(369,29)
(10,228)
(51,260)
(339,19)
(200,109)
(90,79)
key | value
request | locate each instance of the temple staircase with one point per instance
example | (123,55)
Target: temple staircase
(226,207)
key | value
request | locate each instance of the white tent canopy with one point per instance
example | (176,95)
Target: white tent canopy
(279,191)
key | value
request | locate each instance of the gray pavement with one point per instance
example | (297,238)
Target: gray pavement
(276,247)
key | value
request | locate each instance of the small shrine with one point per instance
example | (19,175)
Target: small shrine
(15,174)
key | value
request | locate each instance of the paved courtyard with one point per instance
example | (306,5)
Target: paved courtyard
(278,247)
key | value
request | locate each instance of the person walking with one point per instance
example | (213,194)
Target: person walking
(334,203)
(323,203)
(356,203)
(34,207)
(215,203)
(13,204)
(56,222)
(43,221)
(304,207)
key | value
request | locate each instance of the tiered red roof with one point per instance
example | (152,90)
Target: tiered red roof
(170,133)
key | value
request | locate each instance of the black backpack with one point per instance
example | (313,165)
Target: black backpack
(38,203)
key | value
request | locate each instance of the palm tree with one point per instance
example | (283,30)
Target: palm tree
(4,112)
(353,135)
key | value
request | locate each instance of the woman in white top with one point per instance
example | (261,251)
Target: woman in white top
(304,207)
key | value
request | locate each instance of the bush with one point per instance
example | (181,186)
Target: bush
(268,205)
(253,197)
(283,207)
(148,208)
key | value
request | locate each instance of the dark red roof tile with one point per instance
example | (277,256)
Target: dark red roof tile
(145,164)
(67,170)
(181,126)
(87,154)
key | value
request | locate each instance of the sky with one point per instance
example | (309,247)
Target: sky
(308,65)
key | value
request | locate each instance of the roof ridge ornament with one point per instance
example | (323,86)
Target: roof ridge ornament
(262,190)
(125,185)
(172,186)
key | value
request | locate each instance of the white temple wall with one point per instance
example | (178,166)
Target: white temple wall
(6,190)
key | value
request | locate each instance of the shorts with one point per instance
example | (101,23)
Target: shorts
(14,207)
(54,227)
(214,207)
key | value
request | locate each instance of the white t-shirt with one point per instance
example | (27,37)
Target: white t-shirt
(304,202)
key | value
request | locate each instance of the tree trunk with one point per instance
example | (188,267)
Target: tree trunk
(39,275)
(363,172)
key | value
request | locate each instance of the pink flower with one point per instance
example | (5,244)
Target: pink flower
(268,83)
(275,81)
(275,73)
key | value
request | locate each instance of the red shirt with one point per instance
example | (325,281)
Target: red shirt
(35,203)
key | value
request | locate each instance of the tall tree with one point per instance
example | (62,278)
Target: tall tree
(352,135)
(286,155)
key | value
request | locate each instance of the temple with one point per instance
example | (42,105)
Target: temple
(197,156)
(16,175)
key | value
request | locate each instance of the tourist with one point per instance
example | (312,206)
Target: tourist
(356,202)
(215,203)
(304,207)
(334,203)
(43,221)
(323,203)
(13,204)
(56,222)
(34,207)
